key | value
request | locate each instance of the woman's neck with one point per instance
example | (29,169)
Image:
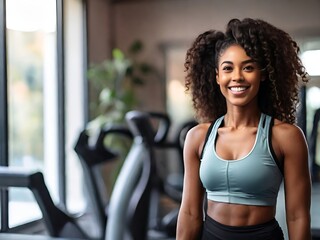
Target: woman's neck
(238,118)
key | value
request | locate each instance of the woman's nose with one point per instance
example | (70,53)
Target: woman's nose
(237,75)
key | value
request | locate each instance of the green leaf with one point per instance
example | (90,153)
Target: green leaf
(145,68)
(129,70)
(105,95)
(137,80)
(136,47)
(117,54)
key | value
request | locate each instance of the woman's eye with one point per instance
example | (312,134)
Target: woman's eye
(248,68)
(227,68)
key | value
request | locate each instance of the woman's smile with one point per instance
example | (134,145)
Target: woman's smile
(238,76)
(238,89)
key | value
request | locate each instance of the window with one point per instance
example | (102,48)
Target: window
(31,71)
(175,89)
(76,100)
(45,100)
(311,58)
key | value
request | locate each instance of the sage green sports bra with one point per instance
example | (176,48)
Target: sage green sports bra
(252,180)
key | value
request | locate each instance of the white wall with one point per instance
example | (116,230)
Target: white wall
(164,20)
(99,30)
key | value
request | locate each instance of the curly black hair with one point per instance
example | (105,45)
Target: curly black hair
(273,49)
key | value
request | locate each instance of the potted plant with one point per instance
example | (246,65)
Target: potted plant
(115,80)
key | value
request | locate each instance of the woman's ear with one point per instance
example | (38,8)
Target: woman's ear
(217,77)
(263,76)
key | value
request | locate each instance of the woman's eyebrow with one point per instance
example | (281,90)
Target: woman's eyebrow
(226,62)
(243,62)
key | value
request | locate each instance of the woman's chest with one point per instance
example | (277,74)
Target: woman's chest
(235,144)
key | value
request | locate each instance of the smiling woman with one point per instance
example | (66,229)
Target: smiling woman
(245,94)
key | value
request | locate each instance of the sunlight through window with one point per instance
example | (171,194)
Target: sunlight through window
(311,60)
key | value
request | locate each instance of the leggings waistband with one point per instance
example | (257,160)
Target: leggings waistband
(214,230)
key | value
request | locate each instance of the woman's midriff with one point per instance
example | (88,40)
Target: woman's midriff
(240,215)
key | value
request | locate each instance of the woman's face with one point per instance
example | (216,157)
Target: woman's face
(238,76)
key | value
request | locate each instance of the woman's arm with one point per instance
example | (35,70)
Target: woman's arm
(190,217)
(296,181)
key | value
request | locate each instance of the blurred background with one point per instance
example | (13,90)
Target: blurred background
(70,65)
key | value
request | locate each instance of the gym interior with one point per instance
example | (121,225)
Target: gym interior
(93,112)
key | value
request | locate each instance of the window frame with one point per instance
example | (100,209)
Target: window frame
(61,91)
(4,154)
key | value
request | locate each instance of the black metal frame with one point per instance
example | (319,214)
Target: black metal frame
(3,112)
(85,64)
(58,223)
(61,101)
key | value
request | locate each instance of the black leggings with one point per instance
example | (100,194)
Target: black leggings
(213,230)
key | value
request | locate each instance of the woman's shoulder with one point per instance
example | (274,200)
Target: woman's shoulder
(287,136)
(199,130)
(286,129)
(196,137)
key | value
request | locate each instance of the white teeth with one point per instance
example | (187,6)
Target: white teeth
(238,89)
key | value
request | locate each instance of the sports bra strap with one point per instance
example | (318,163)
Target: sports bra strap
(207,136)
(278,162)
